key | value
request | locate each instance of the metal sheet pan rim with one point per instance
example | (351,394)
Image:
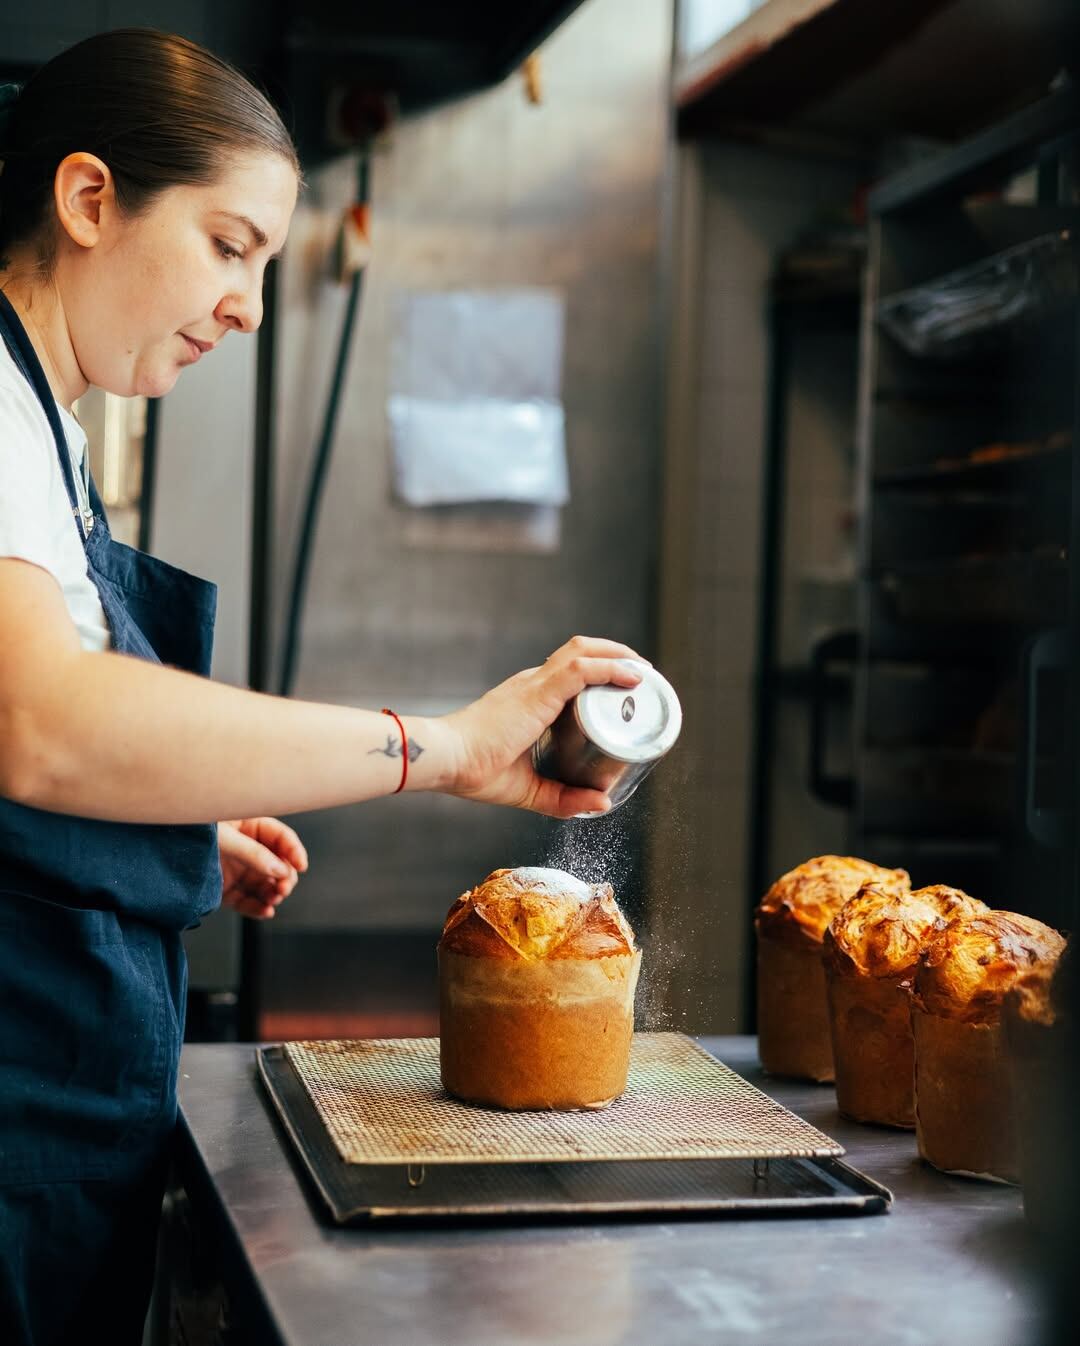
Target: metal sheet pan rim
(863,1195)
(706,1206)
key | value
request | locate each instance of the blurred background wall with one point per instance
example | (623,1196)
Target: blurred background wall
(425,609)
(737,210)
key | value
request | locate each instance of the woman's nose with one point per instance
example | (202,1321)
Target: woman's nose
(241,312)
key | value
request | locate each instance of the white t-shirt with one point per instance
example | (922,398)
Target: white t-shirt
(36,520)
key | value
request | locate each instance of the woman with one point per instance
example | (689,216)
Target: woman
(145,187)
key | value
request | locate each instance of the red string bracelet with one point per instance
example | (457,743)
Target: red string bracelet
(404,749)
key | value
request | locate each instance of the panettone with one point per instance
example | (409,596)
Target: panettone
(537,973)
(1040,1045)
(962,1078)
(791,920)
(870,952)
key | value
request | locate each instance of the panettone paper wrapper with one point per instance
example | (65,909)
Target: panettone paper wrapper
(793,1013)
(963,1098)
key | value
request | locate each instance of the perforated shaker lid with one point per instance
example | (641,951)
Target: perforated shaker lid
(631,724)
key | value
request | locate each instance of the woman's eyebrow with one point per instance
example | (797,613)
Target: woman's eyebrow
(256,233)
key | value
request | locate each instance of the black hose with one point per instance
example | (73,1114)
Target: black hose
(317,480)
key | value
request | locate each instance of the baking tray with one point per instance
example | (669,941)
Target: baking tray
(458,1190)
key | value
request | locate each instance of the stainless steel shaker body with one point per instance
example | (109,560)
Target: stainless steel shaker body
(611,737)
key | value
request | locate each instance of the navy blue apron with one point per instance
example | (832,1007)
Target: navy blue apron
(93,980)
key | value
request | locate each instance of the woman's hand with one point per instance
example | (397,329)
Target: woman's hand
(497,732)
(261,859)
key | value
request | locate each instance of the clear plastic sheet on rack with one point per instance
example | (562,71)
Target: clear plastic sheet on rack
(976,306)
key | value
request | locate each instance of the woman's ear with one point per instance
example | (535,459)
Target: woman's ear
(84,195)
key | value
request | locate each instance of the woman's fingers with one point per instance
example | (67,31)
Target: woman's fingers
(254,908)
(278,837)
(587,661)
(556,800)
(594,647)
(256,857)
(566,679)
(269,890)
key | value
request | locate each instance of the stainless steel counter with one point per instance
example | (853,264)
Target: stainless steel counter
(950,1263)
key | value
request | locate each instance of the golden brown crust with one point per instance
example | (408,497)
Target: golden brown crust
(1040,995)
(881,934)
(537,914)
(968,968)
(1030,998)
(800,904)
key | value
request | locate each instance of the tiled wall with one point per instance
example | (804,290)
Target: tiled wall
(738,208)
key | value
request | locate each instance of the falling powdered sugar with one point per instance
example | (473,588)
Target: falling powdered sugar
(623,848)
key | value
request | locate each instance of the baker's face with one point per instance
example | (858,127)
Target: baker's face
(159,290)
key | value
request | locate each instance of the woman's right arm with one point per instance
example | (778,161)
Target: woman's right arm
(105,735)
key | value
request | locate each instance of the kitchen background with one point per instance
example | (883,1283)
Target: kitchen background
(689,184)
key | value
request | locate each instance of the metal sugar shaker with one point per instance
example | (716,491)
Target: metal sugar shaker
(610,738)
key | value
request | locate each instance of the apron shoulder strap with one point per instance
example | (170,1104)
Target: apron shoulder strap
(26,361)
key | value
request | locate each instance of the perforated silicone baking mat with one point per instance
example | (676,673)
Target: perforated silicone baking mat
(381,1102)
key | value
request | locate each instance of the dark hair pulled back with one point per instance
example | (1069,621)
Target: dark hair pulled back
(159,110)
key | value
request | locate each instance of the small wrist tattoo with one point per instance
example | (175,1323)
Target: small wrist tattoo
(393,748)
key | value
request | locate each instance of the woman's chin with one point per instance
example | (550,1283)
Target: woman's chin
(156,383)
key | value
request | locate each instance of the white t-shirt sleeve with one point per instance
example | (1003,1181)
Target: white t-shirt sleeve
(27,500)
(36,520)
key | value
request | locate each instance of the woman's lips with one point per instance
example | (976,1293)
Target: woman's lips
(197,348)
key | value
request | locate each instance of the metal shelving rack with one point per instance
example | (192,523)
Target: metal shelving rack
(967,703)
